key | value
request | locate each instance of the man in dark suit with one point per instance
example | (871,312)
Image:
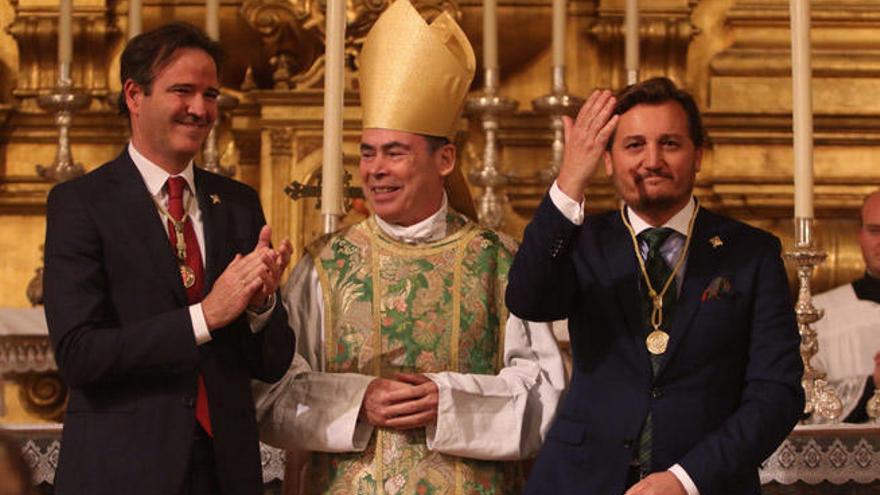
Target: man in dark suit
(157,346)
(686,367)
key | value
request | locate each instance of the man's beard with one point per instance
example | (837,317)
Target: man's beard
(663,202)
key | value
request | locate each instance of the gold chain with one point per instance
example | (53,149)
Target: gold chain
(180,240)
(657,298)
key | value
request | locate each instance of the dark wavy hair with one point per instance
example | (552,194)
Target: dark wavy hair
(654,92)
(147,54)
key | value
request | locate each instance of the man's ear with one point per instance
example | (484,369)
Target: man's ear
(698,159)
(445,159)
(133,94)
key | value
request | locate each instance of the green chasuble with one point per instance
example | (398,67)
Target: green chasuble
(393,307)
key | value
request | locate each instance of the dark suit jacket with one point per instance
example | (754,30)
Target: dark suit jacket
(119,323)
(728,391)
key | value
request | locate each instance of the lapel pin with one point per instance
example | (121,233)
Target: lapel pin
(716,242)
(215,199)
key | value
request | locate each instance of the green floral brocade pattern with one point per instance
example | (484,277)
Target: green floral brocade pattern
(392,307)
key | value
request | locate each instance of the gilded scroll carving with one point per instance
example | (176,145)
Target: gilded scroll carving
(293,32)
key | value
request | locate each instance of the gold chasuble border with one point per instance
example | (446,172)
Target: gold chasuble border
(329,348)
(458,241)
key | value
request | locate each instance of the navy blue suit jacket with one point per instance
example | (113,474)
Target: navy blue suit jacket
(728,390)
(119,323)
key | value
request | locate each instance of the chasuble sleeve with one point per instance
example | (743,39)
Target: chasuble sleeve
(503,416)
(309,409)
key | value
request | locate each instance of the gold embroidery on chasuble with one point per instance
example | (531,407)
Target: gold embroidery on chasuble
(392,307)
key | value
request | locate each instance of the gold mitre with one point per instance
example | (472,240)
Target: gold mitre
(414,76)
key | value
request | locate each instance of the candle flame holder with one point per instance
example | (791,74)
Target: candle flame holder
(490,106)
(821,399)
(556,104)
(64,102)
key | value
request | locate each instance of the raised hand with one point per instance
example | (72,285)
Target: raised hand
(585,140)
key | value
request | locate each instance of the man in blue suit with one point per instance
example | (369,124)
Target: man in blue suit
(686,368)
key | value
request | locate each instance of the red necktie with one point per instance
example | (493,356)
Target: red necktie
(176,185)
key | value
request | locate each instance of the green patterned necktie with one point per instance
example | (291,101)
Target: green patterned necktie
(658,272)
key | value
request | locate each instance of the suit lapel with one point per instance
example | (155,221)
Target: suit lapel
(215,225)
(622,269)
(700,266)
(145,224)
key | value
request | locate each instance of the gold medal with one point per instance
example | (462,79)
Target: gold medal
(657,341)
(188,276)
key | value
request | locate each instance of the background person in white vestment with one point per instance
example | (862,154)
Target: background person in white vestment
(430,425)
(849,334)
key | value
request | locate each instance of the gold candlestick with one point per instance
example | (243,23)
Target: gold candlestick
(821,399)
(490,106)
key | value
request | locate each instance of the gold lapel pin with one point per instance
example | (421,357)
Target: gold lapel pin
(215,199)
(716,242)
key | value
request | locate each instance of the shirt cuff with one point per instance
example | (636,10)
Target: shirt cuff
(200,326)
(571,209)
(684,479)
(258,319)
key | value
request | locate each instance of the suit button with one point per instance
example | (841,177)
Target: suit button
(188,401)
(656,393)
(628,443)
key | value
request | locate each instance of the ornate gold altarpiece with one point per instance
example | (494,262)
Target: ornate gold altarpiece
(732,54)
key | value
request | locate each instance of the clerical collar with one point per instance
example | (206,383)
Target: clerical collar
(155,176)
(867,288)
(679,222)
(430,229)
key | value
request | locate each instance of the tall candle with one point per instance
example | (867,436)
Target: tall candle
(631,27)
(334,73)
(559,7)
(490,34)
(212,19)
(802,108)
(135,23)
(65,37)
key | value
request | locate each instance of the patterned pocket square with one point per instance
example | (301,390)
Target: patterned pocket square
(719,288)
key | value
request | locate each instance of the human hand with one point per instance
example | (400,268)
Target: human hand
(271,277)
(409,401)
(660,483)
(236,287)
(585,141)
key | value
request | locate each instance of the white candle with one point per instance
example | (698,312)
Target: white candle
(334,72)
(631,26)
(135,24)
(212,19)
(559,7)
(802,108)
(490,34)
(65,37)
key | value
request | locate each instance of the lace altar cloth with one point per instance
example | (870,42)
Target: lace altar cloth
(838,454)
